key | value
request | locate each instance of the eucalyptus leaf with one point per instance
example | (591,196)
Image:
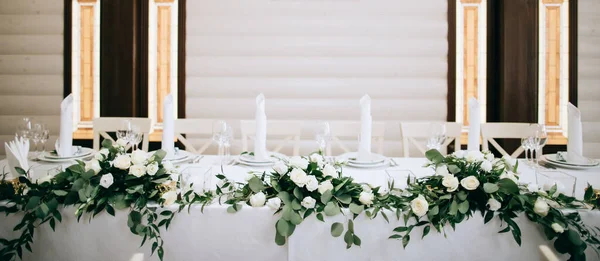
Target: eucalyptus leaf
(326,197)
(256,185)
(453,208)
(453,169)
(508,186)
(344,198)
(434,156)
(337,229)
(463,207)
(490,188)
(331,209)
(356,209)
(298,193)
(285,197)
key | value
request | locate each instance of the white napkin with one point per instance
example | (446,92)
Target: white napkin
(168,136)
(575,140)
(16,156)
(474,124)
(65,142)
(260,141)
(366,121)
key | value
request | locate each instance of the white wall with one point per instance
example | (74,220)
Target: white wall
(314,60)
(31,64)
(589,75)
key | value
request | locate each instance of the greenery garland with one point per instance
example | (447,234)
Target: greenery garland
(465,183)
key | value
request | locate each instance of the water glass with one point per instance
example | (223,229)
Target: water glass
(124,131)
(23,129)
(222,135)
(36,135)
(323,135)
(437,136)
(44,138)
(135,136)
(539,141)
(527,143)
(564,182)
(197,178)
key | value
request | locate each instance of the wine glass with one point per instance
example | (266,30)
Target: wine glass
(124,131)
(36,135)
(44,138)
(526,143)
(437,136)
(135,136)
(539,141)
(24,128)
(222,134)
(323,135)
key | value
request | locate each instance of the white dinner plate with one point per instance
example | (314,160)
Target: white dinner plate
(256,164)
(589,162)
(377,160)
(565,166)
(80,152)
(273,157)
(42,157)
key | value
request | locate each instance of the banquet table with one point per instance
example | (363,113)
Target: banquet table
(249,234)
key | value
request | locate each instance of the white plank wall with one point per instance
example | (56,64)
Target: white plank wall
(31,64)
(589,75)
(313,60)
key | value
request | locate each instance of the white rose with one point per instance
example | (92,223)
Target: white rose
(274,203)
(121,143)
(474,156)
(325,186)
(138,157)
(532,187)
(486,166)
(316,158)
(366,188)
(470,183)
(308,202)
(558,228)
(122,162)
(383,191)
(281,168)
(299,162)
(102,154)
(509,160)
(106,180)
(152,168)
(451,182)
(329,171)
(509,175)
(93,165)
(137,170)
(312,184)
(258,199)
(493,204)
(541,207)
(489,156)
(459,154)
(299,177)
(169,197)
(419,206)
(366,198)
(168,165)
(442,170)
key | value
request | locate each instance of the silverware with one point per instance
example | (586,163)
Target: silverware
(393,162)
(197,159)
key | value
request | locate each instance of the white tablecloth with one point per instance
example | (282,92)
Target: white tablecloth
(249,234)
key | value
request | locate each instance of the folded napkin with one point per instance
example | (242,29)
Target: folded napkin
(474,124)
(168,136)
(366,121)
(65,141)
(260,141)
(575,139)
(16,156)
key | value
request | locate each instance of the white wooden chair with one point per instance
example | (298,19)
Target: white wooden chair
(412,131)
(289,130)
(111,124)
(504,130)
(349,130)
(193,126)
(546,254)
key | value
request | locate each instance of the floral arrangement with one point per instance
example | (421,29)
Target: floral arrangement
(296,189)
(112,180)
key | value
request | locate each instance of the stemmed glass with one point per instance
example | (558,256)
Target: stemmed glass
(124,131)
(44,138)
(135,136)
(539,141)
(222,134)
(437,136)
(36,135)
(527,144)
(323,135)
(24,129)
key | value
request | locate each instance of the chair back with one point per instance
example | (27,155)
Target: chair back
(104,125)
(193,126)
(350,130)
(413,131)
(289,130)
(505,130)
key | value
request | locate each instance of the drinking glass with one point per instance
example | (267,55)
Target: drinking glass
(24,128)
(323,135)
(565,183)
(526,144)
(135,136)
(437,136)
(44,138)
(36,135)
(124,131)
(539,141)
(222,134)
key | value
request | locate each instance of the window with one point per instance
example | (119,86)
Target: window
(554,68)
(471,50)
